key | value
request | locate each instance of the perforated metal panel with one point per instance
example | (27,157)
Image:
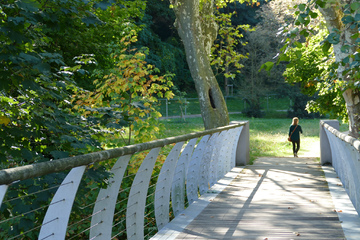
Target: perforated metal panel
(204,179)
(178,183)
(220,154)
(163,186)
(194,168)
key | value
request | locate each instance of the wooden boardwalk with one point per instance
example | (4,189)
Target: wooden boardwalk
(276,198)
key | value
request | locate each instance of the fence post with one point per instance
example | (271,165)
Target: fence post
(166,108)
(185,106)
(325,149)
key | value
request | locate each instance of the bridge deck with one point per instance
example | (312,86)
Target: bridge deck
(276,198)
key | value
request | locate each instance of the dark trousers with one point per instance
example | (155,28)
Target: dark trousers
(297,147)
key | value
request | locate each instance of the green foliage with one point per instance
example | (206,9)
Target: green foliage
(310,62)
(49,48)
(166,51)
(38,74)
(224,56)
(126,95)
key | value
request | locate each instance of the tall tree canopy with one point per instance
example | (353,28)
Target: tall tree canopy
(339,71)
(52,49)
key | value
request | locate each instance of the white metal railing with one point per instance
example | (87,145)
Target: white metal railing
(343,152)
(149,184)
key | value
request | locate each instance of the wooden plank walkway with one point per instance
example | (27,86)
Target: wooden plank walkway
(276,198)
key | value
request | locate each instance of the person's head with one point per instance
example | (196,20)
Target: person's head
(295,121)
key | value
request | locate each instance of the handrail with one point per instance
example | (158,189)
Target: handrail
(10,175)
(145,190)
(343,153)
(351,140)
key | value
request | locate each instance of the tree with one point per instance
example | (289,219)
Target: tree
(197,28)
(342,21)
(263,44)
(38,74)
(125,97)
(224,55)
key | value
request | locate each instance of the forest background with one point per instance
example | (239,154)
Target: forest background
(74,72)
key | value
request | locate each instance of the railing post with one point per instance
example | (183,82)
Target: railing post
(3,189)
(163,186)
(325,149)
(243,147)
(178,184)
(104,209)
(192,179)
(137,197)
(57,216)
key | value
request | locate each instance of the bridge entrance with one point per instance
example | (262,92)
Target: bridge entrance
(276,198)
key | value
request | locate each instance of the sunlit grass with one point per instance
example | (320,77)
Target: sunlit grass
(268,137)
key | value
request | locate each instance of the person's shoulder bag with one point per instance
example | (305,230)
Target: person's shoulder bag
(289,139)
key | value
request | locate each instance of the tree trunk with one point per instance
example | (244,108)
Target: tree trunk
(333,15)
(352,99)
(198,33)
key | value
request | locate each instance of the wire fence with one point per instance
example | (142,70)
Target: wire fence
(184,107)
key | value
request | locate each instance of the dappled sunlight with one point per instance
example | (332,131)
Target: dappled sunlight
(273,198)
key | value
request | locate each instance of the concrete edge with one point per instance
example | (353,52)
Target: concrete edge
(178,224)
(348,216)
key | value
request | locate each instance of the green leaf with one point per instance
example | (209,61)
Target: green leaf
(26,154)
(333,38)
(355,6)
(302,7)
(301,19)
(348,19)
(355,36)
(284,58)
(321,3)
(42,67)
(345,48)
(92,20)
(304,32)
(313,14)
(357,17)
(103,5)
(326,46)
(267,66)
(59,154)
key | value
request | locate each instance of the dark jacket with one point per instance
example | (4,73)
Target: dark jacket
(296,135)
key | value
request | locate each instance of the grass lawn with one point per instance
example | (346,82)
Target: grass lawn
(268,137)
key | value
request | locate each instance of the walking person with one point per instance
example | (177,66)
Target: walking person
(294,135)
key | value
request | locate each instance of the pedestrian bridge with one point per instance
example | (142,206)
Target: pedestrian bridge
(195,186)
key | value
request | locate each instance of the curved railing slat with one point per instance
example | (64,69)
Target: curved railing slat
(178,184)
(194,168)
(162,192)
(205,161)
(3,189)
(57,216)
(103,213)
(137,197)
